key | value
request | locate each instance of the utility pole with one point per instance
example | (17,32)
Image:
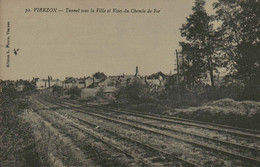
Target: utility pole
(49,80)
(178,73)
(183,65)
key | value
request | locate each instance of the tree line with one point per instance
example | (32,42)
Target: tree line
(228,40)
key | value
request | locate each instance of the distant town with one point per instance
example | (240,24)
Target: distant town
(109,85)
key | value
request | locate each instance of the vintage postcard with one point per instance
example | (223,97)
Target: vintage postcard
(129,83)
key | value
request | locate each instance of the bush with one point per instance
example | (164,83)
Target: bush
(74,92)
(135,93)
(10,91)
(245,114)
(217,93)
(200,93)
(58,90)
(28,87)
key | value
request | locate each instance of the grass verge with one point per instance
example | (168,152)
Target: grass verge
(18,146)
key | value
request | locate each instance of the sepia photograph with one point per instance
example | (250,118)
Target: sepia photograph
(129,83)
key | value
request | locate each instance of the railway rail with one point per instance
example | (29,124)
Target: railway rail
(242,133)
(252,150)
(252,131)
(169,158)
(94,136)
(105,117)
(248,137)
(249,133)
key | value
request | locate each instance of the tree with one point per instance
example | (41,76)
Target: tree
(134,93)
(74,92)
(100,75)
(239,42)
(192,65)
(57,89)
(29,87)
(157,75)
(10,91)
(198,49)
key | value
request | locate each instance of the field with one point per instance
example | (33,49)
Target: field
(71,133)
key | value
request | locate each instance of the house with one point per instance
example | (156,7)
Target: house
(41,84)
(96,83)
(68,82)
(19,86)
(113,77)
(88,81)
(155,83)
(45,83)
(55,82)
(89,92)
(109,82)
(110,92)
(79,83)
(121,80)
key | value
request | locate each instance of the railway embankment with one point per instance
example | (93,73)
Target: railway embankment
(18,146)
(243,114)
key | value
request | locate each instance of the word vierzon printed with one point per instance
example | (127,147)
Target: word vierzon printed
(99,10)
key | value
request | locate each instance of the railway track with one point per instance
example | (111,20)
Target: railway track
(115,150)
(169,157)
(252,131)
(105,117)
(229,146)
(248,133)
(249,137)
(153,154)
(242,133)
(254,150)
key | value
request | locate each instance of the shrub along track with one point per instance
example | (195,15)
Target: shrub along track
(193,140)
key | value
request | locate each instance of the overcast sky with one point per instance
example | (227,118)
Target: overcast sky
(78,44)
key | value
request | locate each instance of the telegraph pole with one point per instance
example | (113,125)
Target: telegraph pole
(49,80)
(183,66)
(178,73)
